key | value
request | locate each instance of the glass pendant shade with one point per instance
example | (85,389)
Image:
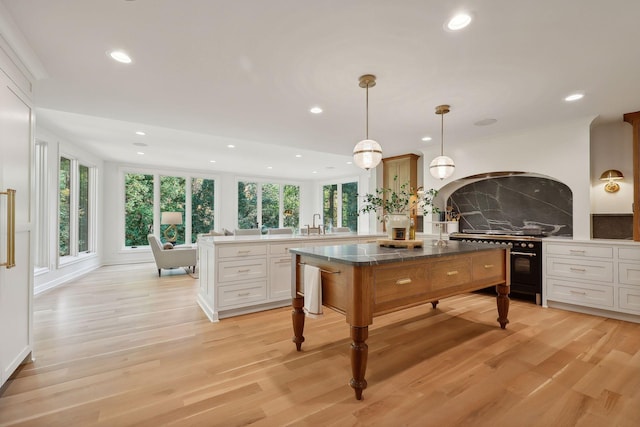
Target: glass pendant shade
(367,154)
(442,167)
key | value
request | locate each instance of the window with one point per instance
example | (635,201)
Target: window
(172,199)
(350,205)
(291,206)
(271,205)
(330,205)
(76,210)
(138,208)
(64,208)
(202,206)
(247,205)
(340,205)
(83,210)
(268,205)
(193,198)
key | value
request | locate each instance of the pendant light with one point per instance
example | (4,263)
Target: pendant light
(367,153)
(442,166)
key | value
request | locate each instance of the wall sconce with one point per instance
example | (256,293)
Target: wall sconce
(172,219)
(611,176)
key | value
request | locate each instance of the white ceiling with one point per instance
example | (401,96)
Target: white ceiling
(208,72)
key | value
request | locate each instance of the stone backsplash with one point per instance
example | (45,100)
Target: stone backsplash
(511,202)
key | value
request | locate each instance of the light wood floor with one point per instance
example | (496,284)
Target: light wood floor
(124,347)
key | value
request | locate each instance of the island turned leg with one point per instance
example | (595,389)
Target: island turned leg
(503,304)
(359,353)
(297,316)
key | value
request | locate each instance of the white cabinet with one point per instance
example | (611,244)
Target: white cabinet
(593,277)
(16,283)
(244,275)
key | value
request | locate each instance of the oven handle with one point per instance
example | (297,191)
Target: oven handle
(529,254)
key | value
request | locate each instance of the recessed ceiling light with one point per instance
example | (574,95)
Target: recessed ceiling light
(485,122)
(120,56)
(427,138)
(459,21)
(140,133)
(298,155)
(316,110)
(140,153)
(231,146)
(212,161)
(314,172)
(574,97)
(139,144)
(349,163)
(269,167)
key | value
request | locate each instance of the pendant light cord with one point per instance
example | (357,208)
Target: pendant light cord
(367,120)
(442,134)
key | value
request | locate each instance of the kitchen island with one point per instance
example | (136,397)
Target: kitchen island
(245,274)
(364,280)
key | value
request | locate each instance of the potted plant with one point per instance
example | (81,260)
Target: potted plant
(393,207)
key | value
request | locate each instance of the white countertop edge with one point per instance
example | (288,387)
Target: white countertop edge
(623,242)
(274,238)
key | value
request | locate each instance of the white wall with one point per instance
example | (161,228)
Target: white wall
(53,273)
(612,148)
(560,151)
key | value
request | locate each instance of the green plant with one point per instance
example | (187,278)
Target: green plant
(387,201)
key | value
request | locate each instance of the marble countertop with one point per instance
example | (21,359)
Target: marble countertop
(372,254)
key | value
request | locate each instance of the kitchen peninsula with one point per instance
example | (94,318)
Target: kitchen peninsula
(245,274)
(365,280)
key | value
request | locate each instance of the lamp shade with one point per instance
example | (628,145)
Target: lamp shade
(442,167)
(367,154)
(611,175)
(171,218)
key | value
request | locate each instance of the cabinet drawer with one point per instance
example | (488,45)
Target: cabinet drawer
(489,266)
(233,251)
(449,273)
(572,268)
(579,251)
(632,254)
(283,248)
(629,299)
(242,294)
(396,283)
(248,269)
(628,273)
(589,294)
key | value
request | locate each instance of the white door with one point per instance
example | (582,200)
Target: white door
(16,283)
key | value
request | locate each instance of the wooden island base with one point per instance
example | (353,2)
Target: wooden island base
(362,291)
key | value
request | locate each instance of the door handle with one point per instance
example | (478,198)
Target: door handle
(11,228)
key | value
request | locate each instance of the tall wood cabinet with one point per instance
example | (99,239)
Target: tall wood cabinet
(405,167)
(16,278)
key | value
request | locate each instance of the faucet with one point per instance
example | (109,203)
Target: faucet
(319,228)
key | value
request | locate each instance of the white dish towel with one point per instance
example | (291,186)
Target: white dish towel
(312,291)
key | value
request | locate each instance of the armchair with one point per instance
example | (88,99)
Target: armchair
(171,258)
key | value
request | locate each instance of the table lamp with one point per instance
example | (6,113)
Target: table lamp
(172,219)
